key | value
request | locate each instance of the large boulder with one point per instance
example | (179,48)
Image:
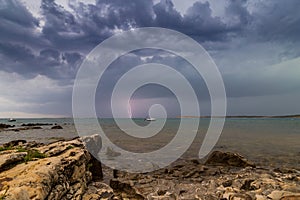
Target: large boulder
(63,173)
(93,144)
(228,159)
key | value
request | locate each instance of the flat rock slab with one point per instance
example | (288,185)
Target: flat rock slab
(63,173)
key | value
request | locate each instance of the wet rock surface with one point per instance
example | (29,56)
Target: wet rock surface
(57,127)
(4,126)
(68,171)
(37,124)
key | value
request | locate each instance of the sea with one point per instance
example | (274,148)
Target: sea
(268,142)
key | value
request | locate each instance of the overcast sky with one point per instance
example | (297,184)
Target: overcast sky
(255,44)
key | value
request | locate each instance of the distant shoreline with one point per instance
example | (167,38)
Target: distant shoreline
(242,116)
(177,117)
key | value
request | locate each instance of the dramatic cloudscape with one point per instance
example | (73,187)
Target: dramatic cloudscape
(255,44)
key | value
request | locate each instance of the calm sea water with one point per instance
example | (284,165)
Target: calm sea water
(274,142)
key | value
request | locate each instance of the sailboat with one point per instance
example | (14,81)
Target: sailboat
(11,120)
(149,119)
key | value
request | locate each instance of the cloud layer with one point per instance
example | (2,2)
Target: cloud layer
(255,44)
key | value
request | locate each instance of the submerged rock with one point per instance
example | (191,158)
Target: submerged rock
(3,126)
(26,128)
(57,127)
(112,153)
(37,124)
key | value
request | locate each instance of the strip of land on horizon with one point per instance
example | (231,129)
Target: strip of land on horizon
(243,116)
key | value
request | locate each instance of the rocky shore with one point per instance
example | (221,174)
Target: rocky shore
(29,126)
(66,170)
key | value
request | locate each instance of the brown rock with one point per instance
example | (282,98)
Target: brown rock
(93,144)
(291,197)
(57,127)
(37,124)
(247,185)
(58,176)
(228,159)
(227,183)
(3,126)
(98,190)
(124,189)
(9,159)
(236,196)
(14,143)
(278,195)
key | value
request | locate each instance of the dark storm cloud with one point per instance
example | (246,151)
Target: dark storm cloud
(55,44)
(278,20)
(166,16)
(61,29)
(93,23)
(50,53)
(88,25)
(17,24)
(198,22)
(16,52)
(238,10)
(62,38)
(122,13)
(17,58)
(49,62)
(27,51)
(20,15)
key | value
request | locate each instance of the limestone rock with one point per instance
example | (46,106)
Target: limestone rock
(14,143)
(125,190)
(71,172)
(98,190)
(228,159)
(283,195)
(57,127)
(63,174)
(93,144)
(8,159)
